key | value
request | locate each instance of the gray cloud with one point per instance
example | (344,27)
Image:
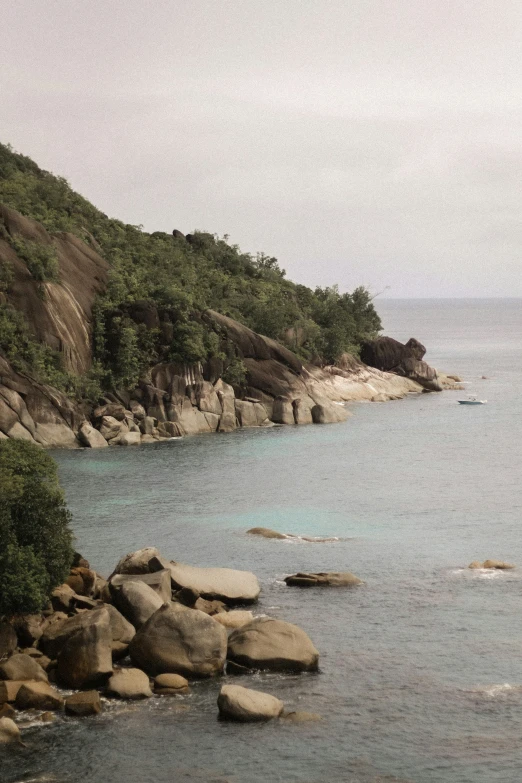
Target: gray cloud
(376,141)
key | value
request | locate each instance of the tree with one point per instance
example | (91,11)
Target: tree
(35,539)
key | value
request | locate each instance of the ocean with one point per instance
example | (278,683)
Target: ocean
(421,668)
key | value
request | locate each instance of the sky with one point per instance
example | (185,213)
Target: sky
(373,142)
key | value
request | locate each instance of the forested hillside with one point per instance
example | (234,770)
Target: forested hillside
(158,287)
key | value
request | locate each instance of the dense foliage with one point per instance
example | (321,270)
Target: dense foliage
(177,279)
(35,539)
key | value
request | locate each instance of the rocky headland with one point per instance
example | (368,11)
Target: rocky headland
(174,399)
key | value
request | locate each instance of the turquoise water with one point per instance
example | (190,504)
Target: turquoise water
(421,669)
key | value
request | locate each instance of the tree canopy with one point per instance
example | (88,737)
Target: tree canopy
(35,540)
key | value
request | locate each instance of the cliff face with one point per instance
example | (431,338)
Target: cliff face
(172,399)
(59,313)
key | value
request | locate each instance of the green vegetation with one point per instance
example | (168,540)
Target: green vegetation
(41,260)
(159,284)
(35,540)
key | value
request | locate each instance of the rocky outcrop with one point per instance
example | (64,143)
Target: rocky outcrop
(246,705)
(324,579)
(272,644)
(182,641)
(390,355)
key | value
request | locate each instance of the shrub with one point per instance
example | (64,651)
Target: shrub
(41,260)
(35,540)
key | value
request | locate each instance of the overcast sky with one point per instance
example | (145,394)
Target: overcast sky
(359,141)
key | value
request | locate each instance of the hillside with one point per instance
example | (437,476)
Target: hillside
(112,335)
(158,284)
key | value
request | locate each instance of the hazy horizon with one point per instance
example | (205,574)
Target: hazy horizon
(367,143)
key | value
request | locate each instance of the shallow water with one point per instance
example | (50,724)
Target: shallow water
(421,668)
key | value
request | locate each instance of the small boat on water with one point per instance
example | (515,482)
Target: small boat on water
(472,400)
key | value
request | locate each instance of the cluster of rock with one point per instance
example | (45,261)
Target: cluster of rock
(149,628)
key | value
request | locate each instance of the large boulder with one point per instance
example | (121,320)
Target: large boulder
(180,641)
(245,704)
(222,584)
(137,562)
(137,602)
(324,579)
(83,703)
(272,644)
(159,582)
(22,667)
(129,684)
(85,660)
(9,731)
(90,437)
(38,696)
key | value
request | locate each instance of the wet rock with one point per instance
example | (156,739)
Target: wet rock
(222,584)
(170,684)
(265,532)
(83,703)
(9,731)
(246,705)
(129,684)
(38,696)
(272,644)
(324,579)
(237,618)
(22,667)
(180,641)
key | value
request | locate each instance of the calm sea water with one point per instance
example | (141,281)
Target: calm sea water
(421,669)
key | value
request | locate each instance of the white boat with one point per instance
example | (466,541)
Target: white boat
(472,400)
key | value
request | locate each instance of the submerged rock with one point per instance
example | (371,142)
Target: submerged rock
(265,532)
(245,704)
(324,579)
(492,564)
(272,644)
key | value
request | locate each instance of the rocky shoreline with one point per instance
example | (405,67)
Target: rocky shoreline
(149,629)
